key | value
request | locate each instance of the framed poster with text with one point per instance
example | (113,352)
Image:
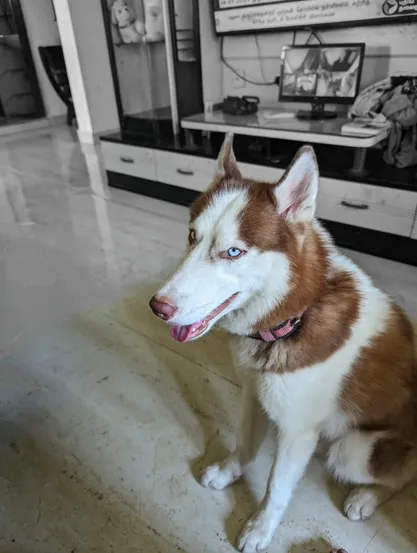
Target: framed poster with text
(252,16)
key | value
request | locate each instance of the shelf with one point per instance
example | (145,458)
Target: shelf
(130,44)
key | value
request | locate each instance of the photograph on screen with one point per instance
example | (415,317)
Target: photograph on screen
(306,85)
(321,72)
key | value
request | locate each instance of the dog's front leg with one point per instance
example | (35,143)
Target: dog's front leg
(251,432)
(294,451)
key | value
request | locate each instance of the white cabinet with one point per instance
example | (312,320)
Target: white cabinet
(367,206)
(195,173)
(358,204)
(129,160)
(260,172)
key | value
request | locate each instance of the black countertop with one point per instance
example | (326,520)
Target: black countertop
(334,161)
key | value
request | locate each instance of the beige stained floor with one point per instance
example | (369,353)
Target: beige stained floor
(104,421)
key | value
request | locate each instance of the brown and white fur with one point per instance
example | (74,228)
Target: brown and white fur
(348,376)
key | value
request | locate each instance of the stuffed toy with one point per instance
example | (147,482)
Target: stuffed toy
(154,21)
(131,28)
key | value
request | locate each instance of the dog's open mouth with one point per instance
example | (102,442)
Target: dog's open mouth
(184,333)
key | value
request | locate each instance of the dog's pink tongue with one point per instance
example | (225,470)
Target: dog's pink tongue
(184,333)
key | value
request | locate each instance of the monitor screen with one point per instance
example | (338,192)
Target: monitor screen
(324,73)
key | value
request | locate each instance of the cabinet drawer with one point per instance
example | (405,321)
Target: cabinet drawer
(259,172)
(367,206)
(130,160)
(195,173)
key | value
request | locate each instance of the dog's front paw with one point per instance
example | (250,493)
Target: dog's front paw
(360,504)
(221,475)
(257,534)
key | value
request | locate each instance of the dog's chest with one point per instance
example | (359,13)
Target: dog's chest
(300,399)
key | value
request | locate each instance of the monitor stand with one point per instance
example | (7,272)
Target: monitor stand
(317,113)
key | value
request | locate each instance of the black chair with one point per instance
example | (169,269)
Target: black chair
(54,63)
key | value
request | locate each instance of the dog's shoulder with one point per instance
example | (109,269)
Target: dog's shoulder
(354,358)
(346,316)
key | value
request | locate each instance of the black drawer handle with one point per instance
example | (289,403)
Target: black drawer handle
(354,206)
(127,159)
(186,172)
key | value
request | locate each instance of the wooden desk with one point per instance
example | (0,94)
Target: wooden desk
(313,132)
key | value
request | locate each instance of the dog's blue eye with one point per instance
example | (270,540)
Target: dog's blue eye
(234,252)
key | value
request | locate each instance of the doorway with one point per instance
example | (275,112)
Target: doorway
(20,97)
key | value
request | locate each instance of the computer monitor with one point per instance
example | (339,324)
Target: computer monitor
(320,74)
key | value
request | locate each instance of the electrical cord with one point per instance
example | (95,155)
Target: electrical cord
(258,47)
(227,64)
(314,35)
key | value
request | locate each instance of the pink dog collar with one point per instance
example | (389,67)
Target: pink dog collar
(283,330)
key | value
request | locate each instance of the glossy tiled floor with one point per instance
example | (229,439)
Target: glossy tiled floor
(104,420)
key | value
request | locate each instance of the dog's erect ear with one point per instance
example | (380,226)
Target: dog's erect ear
(297,190)
(226,162)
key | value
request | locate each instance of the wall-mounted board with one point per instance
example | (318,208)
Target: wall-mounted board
(249,16)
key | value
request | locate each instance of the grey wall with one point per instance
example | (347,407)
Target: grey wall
(389,49)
